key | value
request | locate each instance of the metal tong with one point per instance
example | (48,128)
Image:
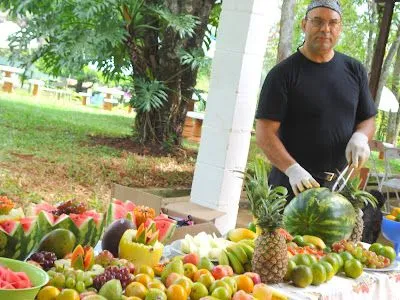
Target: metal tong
(342,179)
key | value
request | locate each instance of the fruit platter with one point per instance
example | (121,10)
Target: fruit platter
(125,253)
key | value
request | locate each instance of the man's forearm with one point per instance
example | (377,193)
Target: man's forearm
(275,151)
(367,127)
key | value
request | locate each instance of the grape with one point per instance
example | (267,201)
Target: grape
(80,286)
(59,280)
(44,258)
(79,275)
(113,272)
(88,281)
(70,283)
(51,273)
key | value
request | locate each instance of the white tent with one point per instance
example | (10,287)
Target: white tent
(388,101)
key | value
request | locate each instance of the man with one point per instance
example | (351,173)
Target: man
(315,113)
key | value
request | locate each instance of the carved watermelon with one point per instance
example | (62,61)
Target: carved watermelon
(165,226)
(87,226)
(120,210)
(322,213)
(19,237)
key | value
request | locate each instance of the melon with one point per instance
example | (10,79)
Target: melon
(120,210)
(19,237)
(87,226)
(321,213)
(165,226)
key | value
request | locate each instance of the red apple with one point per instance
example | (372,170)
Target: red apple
(254,276)
(191,258)
(219,272)
(229,270)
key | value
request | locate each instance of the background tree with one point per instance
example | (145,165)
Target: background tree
(158,43)
(286,30)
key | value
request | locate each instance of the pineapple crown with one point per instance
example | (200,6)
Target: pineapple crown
(266,202)
(358,198)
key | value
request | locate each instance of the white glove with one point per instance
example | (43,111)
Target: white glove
(357,150)
(300,179)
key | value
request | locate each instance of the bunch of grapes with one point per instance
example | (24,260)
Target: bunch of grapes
(44,259)
(113,272)
(368,258)
(70,207)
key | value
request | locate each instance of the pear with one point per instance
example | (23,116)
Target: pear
(111,290)
(175,266)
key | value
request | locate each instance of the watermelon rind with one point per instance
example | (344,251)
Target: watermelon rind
(321,213)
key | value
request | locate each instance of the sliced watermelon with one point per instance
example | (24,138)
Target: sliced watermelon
(120,210)
(87,227)
(13,280)
(165,226)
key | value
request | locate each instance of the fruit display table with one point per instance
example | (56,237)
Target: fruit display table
(370,285)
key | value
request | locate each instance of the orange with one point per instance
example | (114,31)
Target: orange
(176,292)
(395,211)
(144,279)
(244,283)
(156,284)
(200,272)
(136,289)
(391,217)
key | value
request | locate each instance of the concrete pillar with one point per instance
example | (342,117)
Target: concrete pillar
(231,104)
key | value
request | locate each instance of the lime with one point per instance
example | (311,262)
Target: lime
(318,273)
(290,268)
(252,227)
(302,259)
(375,247)
(353,268)
(329,270)
(339,259)
(332,260)
(345,256)
(388,252)
(312,258)
(302,276)
(298,239)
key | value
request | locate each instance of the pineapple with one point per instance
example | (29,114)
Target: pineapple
(359,199)
(270,258)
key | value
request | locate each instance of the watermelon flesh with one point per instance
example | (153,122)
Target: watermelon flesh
(13,280)
(321,213)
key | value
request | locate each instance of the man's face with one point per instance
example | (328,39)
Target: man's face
(322,27)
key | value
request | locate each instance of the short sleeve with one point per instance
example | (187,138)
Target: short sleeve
(366,106)
(273,99)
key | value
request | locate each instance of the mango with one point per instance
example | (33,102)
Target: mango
(238,234)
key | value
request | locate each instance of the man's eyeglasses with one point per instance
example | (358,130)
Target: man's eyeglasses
(319,23)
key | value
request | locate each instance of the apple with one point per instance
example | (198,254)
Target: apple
(221,293)
(262,291)
(254,276)
(206,279)
(219,283)
(219,272)
(198,291)
(232,283)
(191,258)
(68,294)
(229,270)
(171,278)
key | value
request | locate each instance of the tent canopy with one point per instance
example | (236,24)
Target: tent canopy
(388,101)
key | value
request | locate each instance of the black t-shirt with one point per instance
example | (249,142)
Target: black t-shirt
(318,105)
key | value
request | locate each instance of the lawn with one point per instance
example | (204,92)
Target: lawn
(57,150)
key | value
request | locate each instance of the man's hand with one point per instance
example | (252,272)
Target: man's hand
(357,150)
(300,179)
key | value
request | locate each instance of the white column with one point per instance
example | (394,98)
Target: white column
(231,104)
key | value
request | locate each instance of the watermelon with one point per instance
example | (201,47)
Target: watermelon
(165,226)
(87,226)
(321,213)
(120,210)
(19,237)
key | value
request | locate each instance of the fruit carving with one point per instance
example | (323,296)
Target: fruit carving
(141,246)
(165,226)
(142,213)
(6,205)
(82,258)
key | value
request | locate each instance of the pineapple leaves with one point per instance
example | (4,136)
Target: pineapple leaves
(358,198)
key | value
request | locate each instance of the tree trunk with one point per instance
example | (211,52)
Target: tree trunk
(165,126)
(392,135)
(78,87)
(386,65)
(286,30)
(372,15)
